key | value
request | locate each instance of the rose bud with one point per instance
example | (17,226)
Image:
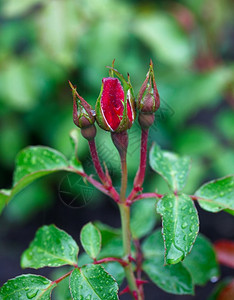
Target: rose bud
(148,100)
(115,109)
(83,115)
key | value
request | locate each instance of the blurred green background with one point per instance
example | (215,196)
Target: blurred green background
(43,44)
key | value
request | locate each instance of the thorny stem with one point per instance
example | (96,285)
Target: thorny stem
(140,176)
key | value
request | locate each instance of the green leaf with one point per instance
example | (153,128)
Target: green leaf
(173,168)
(113,248)
(90,238)
(153,245)
(115,270)
(180,225)
(51,247)
(217,194)
(33,163)
(143,217)
(93,282)
(4,196)
(172,279)
(107,232)
(74,139)
(201,262)
(27,287)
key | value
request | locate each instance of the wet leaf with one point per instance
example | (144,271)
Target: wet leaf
(116,270)
(90,238)
(93,282)
(180,226)
(172,167)
(217,194)
(35,162)
(27,287)
(201,262)
(173,279)
(51,247)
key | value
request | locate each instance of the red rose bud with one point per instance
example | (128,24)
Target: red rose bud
(115,105)
(148,99)
(83,115)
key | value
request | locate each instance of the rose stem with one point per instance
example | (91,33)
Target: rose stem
(107,184)
(120,140)
(140,175)
(96,161)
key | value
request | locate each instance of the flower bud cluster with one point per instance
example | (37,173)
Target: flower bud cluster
(115,109)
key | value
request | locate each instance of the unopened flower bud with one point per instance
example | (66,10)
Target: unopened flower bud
(148,98)
(115,109)
(83,114)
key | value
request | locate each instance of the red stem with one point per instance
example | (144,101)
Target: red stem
(140,175)
(144,196)
(104,179)
(139,259)
(96,161)
(61,278)
(109,259)
(111,192)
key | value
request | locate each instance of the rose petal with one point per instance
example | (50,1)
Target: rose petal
(112,102)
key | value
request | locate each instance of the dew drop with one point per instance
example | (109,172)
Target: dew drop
(32,294)
(184,225)
(214,279)
(191,227)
